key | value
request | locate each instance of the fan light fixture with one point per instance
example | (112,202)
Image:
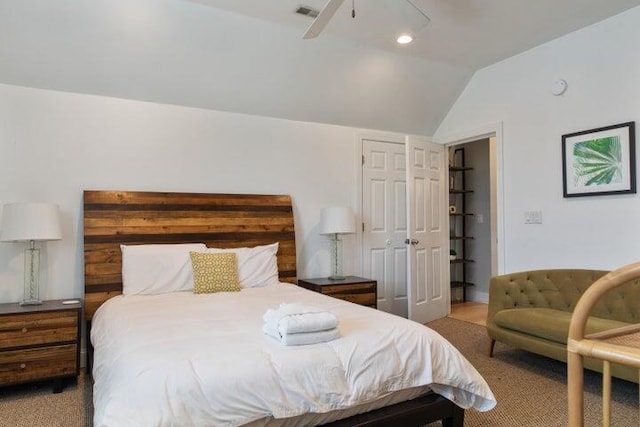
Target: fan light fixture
(404,39)
(412,18)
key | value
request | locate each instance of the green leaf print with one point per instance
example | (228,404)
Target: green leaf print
(598,161)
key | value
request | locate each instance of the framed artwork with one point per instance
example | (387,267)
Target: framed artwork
(599,161)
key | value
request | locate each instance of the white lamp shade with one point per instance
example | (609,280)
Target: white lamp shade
(30,221)
(337,220)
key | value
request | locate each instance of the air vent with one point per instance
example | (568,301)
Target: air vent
(307,11)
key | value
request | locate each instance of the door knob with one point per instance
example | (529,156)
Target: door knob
(388,242)
(411,241)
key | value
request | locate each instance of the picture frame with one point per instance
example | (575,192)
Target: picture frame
(599,161)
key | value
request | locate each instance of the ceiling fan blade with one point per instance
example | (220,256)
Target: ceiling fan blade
(420,11)
(322,19)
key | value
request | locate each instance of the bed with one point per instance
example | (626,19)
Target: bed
(155,364)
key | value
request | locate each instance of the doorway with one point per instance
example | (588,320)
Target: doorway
(482,244)
(471,226)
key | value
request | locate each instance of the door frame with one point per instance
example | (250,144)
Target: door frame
(494,130)
(455,138)
(388,137)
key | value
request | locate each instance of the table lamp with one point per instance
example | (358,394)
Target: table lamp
(336,221)
(30,222)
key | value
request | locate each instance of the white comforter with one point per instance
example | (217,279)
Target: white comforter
(192,360)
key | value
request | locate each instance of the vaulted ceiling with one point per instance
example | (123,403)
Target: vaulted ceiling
(248,56)
(465,33)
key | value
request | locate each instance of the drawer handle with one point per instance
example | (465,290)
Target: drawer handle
(24,330)
(22,366)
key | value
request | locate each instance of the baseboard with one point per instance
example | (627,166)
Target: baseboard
(477,296)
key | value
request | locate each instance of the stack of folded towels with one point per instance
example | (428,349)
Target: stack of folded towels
(299,324)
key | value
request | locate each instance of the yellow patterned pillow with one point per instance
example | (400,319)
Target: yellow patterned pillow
(214,272)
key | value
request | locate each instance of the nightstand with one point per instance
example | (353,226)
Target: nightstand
(354,289)
(39,342)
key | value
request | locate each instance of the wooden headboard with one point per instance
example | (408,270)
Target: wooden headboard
(112,218)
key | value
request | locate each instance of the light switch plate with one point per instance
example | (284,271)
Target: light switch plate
(533,217)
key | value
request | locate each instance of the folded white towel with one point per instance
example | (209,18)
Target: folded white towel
(298,318)
(304,338)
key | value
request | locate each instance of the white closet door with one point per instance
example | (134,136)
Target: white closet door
(428,240)
(385,222)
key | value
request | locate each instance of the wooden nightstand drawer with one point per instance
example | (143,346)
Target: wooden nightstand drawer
(353,289)
(363,299)
(19,366)
(358,288)
(361,293)
(20,330)
(40,342)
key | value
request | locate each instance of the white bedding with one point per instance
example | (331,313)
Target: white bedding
(191,360)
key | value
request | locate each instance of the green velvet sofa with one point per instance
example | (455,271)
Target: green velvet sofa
(531,310)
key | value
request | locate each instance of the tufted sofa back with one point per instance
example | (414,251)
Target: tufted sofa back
(560,290)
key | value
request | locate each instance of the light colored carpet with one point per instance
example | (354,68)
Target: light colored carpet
(531,391)
(33,405)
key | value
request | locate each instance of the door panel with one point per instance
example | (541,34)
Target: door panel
(385,218)
(419,203)
(436,274)
(378,262)
(428,271)
(378,205)
(400,271)
(421,275)
(400,194)
(436,207)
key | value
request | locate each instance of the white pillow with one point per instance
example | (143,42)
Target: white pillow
(157,269)
(257,266)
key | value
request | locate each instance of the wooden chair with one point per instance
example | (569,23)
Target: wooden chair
(620,345)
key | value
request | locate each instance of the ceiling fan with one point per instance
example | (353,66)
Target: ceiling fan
(331,8)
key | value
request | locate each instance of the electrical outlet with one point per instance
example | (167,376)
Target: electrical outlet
(533,217)
(480,218)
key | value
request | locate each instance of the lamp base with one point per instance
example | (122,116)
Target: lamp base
(31,275)
(31,302)
(336,258)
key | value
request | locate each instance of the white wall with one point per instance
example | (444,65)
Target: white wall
(602,66)
(55,144)
(479,203)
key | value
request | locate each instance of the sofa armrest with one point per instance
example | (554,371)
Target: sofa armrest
(501,289)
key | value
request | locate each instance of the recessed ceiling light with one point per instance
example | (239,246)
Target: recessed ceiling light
(404,39)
